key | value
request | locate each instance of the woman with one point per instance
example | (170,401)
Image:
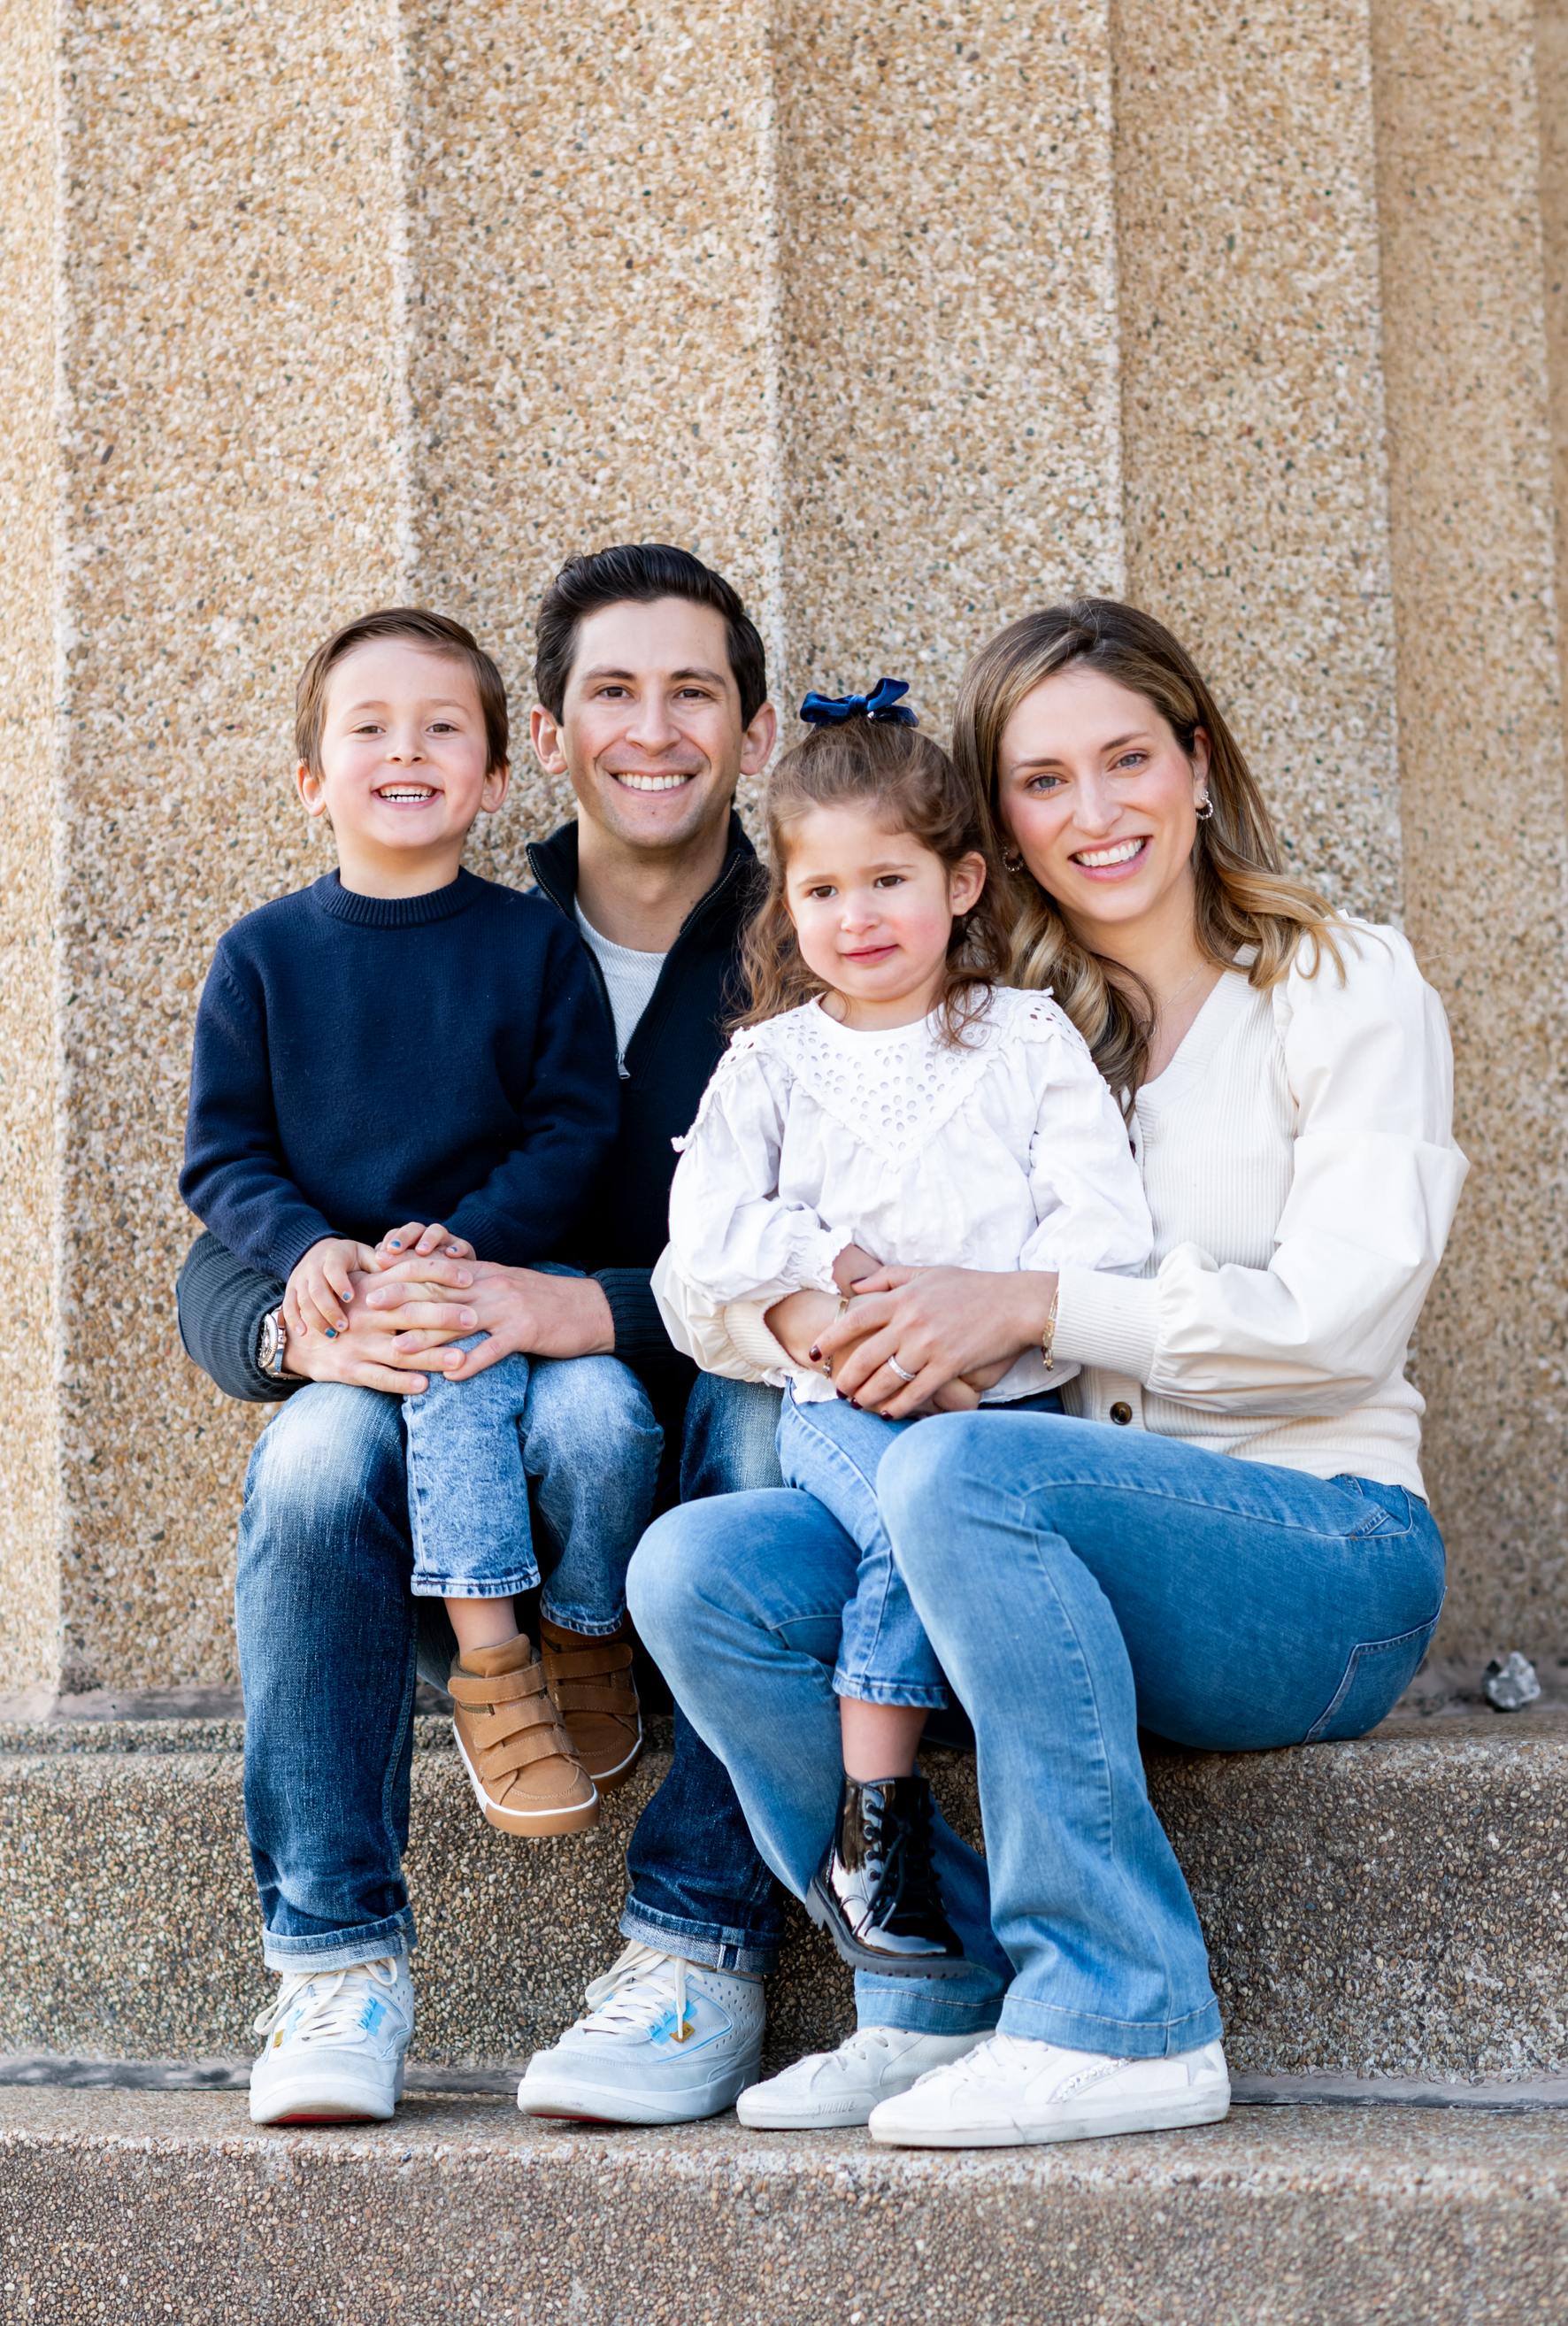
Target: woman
(1231,1546)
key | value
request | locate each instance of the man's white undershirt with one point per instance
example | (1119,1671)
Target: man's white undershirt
(629,979)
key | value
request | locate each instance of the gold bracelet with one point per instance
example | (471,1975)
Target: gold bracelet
(1048,1337)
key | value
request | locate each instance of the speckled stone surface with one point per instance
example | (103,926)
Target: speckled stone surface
(1397,1907)
(908,320)
(1481,757)
(116,2204)
(29,1394)
(1252,401)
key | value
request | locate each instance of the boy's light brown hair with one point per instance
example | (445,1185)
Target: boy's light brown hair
(436,634)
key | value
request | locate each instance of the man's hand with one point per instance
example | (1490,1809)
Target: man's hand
(943,1325)
(520,1309)
(366,1354)
(320,1288)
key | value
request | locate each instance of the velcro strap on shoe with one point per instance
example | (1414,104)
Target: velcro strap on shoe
(488,1728)
(587,1664)
(520,1751)
(469,1690)
(581,1696)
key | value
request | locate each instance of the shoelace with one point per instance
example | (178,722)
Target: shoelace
(1001,2055)
(908,1873)
(333,2012)
(636,1992)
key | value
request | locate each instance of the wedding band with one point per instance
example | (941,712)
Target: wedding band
(899,1369)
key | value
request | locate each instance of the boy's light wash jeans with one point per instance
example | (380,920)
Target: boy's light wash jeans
(581,1432)
(331,1641)
(1075,1579)
(831,1449)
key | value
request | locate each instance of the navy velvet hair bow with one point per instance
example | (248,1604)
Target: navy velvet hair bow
(882,702)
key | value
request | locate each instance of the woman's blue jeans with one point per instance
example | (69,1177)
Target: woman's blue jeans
(1074,1580)
(832,1450)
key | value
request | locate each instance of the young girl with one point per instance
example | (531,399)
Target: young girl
(886,1102)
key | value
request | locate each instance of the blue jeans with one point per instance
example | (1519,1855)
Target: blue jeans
(331,1643)
(582,1431)
(1075,1579)
(832,1449)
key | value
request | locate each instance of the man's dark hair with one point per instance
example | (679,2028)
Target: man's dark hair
(436,634)
(640,572)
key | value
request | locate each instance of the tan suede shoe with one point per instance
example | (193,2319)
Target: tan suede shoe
(591,1682)
(521,1761)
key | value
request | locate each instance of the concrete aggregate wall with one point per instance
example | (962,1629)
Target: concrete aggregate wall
(908,319)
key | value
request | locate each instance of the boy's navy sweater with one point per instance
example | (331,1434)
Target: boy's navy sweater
(361,1062)
(677,1044)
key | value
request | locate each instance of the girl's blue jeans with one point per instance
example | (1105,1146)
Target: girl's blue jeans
(832,1450)
(1075,1579)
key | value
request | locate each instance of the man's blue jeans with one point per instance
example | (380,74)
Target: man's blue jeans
(331,1643)
(1075,1579)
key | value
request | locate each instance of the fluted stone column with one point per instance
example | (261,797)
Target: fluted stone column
(1481,763)
(908,321)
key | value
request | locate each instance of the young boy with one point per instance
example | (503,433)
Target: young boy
(403,1059)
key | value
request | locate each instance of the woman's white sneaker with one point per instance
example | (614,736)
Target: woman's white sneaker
(1011,2091)
(664,2041)
(829,2089)
(335,2045)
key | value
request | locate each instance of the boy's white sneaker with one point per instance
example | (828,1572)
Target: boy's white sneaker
(664,2041)
(335,2045)
(829,2089)
(1011,2091)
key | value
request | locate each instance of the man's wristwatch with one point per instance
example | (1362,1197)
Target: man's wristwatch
(272,1343)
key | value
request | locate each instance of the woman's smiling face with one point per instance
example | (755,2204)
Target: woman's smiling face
(1100,800)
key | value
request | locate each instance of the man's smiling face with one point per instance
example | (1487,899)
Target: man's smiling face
(650,730)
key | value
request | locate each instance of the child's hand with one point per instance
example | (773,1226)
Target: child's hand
(416,1242)
(851,1264)
(956,1396)
(320,1289)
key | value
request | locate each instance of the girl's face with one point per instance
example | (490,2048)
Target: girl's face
(873,911)
(1101,802)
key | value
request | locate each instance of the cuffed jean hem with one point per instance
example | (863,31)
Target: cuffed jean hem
(700,1943)
(343,1949)
(467,1586)
(919,2007)
(862,1690)
(576,1619)
(1124,2039)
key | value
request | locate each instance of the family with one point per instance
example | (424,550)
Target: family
(961,1272)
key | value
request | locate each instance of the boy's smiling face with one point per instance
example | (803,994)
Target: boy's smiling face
(403,772)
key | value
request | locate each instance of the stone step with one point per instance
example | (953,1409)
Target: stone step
(134,2205)
(1393,1907)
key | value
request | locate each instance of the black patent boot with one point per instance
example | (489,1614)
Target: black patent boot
(876,1890)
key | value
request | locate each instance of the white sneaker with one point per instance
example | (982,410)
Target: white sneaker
(1011,2091)
(664,2041)
(843,2087)
(336,2044)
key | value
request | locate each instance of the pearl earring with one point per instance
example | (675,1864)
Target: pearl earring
(1205,808)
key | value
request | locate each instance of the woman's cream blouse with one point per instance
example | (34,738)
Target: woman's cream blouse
(1299,1162)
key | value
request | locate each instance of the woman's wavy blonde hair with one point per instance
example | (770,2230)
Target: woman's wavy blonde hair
(914,786)
(1245,897)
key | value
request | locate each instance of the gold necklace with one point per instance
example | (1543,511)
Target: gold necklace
(1161,1006)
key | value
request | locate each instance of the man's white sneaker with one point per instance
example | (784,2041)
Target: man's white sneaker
(842,2087)
(664,2041)
(335,2045)
(1011,2091)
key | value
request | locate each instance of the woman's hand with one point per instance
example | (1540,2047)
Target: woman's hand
(795,1322)
(943,1325)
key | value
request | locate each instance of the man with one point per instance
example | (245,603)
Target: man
(651,689)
